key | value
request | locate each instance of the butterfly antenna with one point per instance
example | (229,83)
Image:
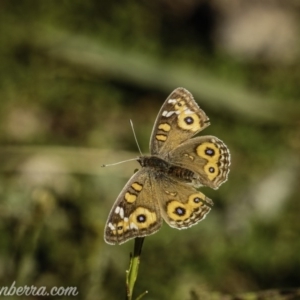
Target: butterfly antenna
(135,137)
(119,162)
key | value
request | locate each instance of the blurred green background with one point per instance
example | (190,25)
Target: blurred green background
(72,74)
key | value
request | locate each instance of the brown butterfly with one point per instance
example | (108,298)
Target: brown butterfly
(165,187)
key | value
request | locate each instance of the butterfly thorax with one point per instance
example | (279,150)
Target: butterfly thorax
(162,167)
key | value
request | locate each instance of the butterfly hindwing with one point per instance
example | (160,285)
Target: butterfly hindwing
(206,156)
(182,206)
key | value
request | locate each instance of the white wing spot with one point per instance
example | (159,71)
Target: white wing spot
(111,226)
(170,113)
(117,210)
(126,220)
(121,213)
(188,111)
(133,226)
(172,101)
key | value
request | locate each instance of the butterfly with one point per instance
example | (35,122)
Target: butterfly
(165,188)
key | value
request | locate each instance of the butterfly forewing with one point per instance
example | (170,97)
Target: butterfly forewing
(179,119)
(135,213)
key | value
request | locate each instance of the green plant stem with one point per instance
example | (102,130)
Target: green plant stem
(132,272)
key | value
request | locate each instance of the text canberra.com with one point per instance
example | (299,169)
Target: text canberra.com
(37,291)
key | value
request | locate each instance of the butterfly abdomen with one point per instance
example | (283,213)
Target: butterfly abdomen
(181,173)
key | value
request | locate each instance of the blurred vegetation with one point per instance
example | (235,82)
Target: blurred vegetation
(72,74)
